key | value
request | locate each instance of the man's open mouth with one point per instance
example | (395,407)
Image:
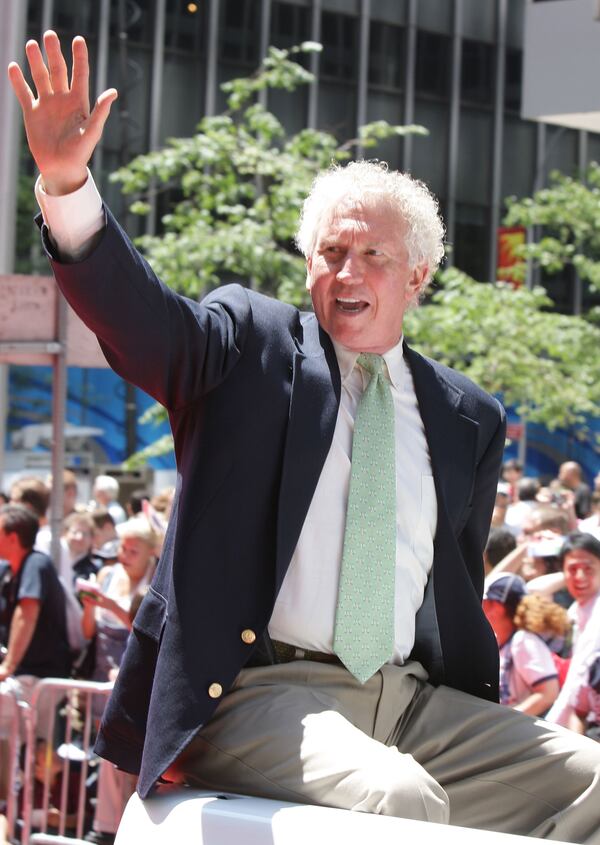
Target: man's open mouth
(349,305)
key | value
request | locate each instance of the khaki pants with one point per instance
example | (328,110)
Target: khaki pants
(310,733)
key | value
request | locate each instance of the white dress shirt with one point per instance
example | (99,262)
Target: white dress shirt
(586,643)
(304,613)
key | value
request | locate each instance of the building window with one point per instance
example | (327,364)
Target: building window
(185,26)
(513,79)
(433,62)
(339,34)
(477,72)
(290,25)
(240,32)
(386,55)
(139,20)
(470,240)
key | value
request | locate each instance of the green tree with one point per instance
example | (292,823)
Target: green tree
(569,213)
(546,365)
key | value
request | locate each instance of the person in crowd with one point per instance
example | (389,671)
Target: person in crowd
(536,553)
(37,643)
(500,543)
(107,598)
(516,514)
(105,494)
(591,525)
(580,558)
(135,503)
(512,473)
(49,773)
(70,492)
(585,718)
(33,610)
(105,540)
(570,475)
(108,617)
(501,505)
(546,519)
(78,540)
(32,492)
(305,442)
(528,674)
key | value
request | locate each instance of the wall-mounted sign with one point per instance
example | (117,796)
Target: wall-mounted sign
(28,314)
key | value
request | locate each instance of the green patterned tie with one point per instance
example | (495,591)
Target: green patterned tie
(364,622)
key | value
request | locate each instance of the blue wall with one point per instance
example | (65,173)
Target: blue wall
(94,398)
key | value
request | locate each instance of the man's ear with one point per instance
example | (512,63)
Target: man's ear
(416,282)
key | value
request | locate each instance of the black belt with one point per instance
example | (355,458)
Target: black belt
(285,653)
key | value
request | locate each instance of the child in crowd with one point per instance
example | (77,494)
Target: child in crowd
(528,674)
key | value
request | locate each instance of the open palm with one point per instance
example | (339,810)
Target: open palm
(61,131)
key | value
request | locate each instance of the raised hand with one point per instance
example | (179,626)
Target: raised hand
(61,131)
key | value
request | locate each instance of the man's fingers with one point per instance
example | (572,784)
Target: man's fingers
(80,79)
(22,90)
(100,114)
(39,72)
(56,63)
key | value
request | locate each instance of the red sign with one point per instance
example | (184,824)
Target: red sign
(514,431)
(511,267)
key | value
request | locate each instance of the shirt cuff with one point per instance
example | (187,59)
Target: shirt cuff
(73,219)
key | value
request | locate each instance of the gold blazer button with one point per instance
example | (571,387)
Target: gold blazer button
(215,690)
(248,636)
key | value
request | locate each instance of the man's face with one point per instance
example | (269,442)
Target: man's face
(79,538)
(360,279)
(498,618)
(582,574)
(5,540)
(568,476)
(9,543)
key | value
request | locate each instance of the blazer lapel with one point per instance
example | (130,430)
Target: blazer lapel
(451,436)
(316,388)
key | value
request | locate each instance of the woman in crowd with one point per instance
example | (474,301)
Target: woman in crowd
(107,601)
(107,616)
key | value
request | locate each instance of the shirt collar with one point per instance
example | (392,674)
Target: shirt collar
(394,361)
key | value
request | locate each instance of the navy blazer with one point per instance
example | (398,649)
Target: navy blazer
(252,387)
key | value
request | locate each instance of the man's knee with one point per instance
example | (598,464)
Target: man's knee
(400,787)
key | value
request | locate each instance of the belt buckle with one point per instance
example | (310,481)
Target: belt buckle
(299,653)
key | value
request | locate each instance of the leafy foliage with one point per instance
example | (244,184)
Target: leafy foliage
(546,365)
(569,212)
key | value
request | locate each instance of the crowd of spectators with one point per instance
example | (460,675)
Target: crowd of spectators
(71,617)
(542,595)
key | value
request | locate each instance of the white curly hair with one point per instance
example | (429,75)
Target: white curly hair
(373,183)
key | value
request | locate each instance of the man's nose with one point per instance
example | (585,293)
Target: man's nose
(350,271)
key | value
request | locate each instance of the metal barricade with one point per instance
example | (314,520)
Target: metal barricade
(9,717)
(76,699)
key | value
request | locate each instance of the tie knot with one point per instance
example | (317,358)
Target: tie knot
(373,364)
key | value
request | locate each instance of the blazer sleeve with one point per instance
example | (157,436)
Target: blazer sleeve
(170,346)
